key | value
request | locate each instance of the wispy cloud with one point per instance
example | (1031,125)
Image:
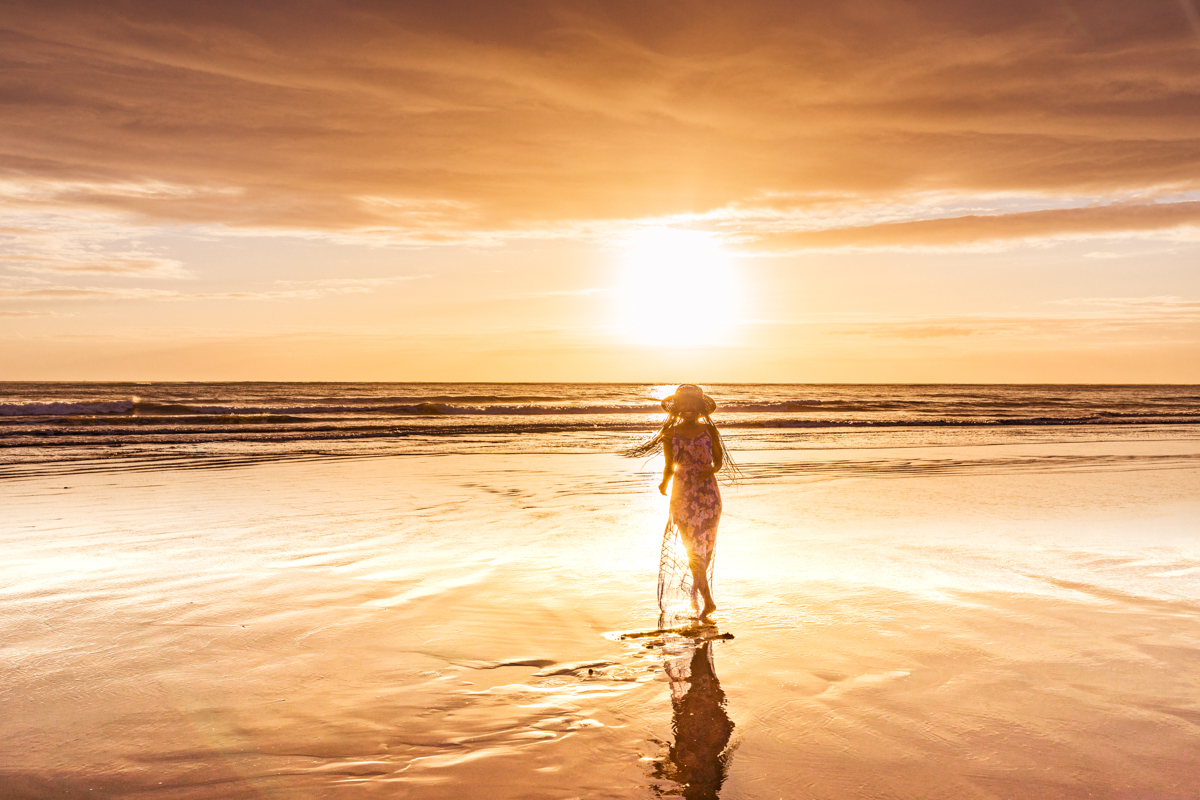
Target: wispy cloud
(1099,319)
(66,241)
(119,264)
(1146,305)
(324,286)
(1177,220)
(1193,16)
(291,290)
(27,314)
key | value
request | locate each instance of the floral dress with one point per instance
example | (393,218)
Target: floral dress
(691,526)
(695,498)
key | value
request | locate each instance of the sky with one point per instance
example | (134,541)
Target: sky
(921,191)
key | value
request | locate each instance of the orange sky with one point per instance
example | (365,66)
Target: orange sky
(919,191)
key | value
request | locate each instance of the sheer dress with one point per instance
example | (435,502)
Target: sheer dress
(691,525)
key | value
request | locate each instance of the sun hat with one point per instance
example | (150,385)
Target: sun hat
(688,391)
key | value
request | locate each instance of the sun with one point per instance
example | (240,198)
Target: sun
(677,288)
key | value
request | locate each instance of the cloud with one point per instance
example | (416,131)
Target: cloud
(1159,305)
(88,242)
(1192,14)
(26,314)
(909,331)
(122,264)
(323,286)
(1180,218)
(294,290)
(86,293)
(1097,318)
(432,122)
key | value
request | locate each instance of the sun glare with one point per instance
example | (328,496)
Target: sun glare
(677,289)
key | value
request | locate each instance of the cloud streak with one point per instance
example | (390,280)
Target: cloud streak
(1181,219)
(1100,319)
(28,314)
(291,290)
(58,240)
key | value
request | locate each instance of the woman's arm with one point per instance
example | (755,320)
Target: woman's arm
(669,468)
(718,452)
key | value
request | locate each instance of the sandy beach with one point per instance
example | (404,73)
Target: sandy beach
(1004,620)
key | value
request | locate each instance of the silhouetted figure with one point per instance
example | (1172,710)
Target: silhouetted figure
(693,456)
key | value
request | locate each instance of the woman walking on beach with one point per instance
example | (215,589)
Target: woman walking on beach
(694,456)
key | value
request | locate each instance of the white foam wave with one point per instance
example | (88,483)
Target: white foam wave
(65,409)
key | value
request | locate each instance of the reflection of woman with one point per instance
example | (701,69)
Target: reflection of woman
(698,759)
(694,455)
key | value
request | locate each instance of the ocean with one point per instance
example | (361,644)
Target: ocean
(49,422)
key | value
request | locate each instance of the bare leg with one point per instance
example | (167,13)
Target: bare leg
(699,569)
(698,566)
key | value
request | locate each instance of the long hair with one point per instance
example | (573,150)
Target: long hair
(654,445)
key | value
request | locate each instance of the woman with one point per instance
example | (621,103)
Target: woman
(694,456)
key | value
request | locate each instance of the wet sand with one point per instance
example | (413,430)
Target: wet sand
(1006,621)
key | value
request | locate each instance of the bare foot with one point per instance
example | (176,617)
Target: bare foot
(709,607)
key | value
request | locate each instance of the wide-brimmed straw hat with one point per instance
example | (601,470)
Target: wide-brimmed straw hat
(688,391)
